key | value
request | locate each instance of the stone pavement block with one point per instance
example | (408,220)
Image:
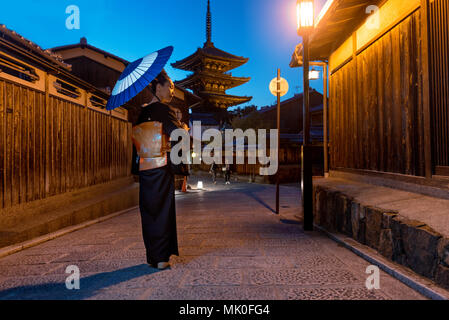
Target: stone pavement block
(54,288)
(193,262)
(213,293)
(281,235)
(302,277)
(224,236)
(236,252)
(316,261)
(151,277)
(54,247)
(23,287)
(227,250)
(30,270)
(77,256)
(120,254)
(267,242)
(254,262)
(197,229)
(352,293)
(196,251)
(131,294)
(98,266)
(109,240)
(220,243)
(29,259)
(213,277)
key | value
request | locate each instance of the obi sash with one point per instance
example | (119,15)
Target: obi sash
(152,145)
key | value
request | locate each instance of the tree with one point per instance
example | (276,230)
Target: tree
(254,120)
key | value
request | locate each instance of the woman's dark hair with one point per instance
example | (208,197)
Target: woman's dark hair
(161,79)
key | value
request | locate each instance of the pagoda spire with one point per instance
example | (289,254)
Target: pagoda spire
(208,26)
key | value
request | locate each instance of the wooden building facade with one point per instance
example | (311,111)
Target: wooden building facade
(102,69)
(389,85)
(56,135)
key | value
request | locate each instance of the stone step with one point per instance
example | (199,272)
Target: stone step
(408,228)
(37,218)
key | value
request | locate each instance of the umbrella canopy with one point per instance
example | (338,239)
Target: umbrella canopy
(137,76)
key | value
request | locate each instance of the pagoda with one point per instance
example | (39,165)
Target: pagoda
(211,77)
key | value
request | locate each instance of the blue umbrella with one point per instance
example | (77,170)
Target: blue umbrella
(137,76)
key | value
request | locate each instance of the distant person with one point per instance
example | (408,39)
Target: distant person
(213,170)
(228,174)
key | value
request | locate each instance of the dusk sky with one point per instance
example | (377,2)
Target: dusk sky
(262,30)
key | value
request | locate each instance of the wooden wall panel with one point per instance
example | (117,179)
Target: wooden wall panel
(439,82)
(383,130)
(2,143)
(73,145)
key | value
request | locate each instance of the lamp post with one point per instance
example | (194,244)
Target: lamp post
(305,19)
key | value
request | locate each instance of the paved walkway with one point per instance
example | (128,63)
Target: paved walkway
(232,246)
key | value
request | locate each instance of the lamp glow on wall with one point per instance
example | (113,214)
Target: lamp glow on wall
(314,74)
(305,15)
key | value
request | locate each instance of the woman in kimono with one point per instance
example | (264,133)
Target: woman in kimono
(152,163)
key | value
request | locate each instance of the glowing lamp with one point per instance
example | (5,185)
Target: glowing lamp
(314,74)
(305,15)
(200,185)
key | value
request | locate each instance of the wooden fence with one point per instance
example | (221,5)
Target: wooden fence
(50,145)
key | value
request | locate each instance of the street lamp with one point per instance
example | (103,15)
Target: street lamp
(305,18)
(304,14)
(314,74)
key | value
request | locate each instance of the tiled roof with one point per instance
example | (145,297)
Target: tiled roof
(213,51)
(12,36)
(83,44)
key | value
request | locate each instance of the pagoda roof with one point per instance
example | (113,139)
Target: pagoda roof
(227,99)
(209,51)
(236,81)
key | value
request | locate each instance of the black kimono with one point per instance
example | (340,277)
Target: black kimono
(157,193)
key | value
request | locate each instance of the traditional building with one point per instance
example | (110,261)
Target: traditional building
(102,69)
(211,77)
(64,159)
(58,143)
(388,121)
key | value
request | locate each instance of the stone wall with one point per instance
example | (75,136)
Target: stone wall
(404,241)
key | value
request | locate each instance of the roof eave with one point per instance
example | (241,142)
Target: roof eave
(339,20)
(88,46)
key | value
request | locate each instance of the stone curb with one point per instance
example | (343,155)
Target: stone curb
(6,251)
(388,267)
(410,243)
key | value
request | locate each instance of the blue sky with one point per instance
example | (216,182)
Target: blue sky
(262,30)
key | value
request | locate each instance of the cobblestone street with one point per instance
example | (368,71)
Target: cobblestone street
(232,246)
